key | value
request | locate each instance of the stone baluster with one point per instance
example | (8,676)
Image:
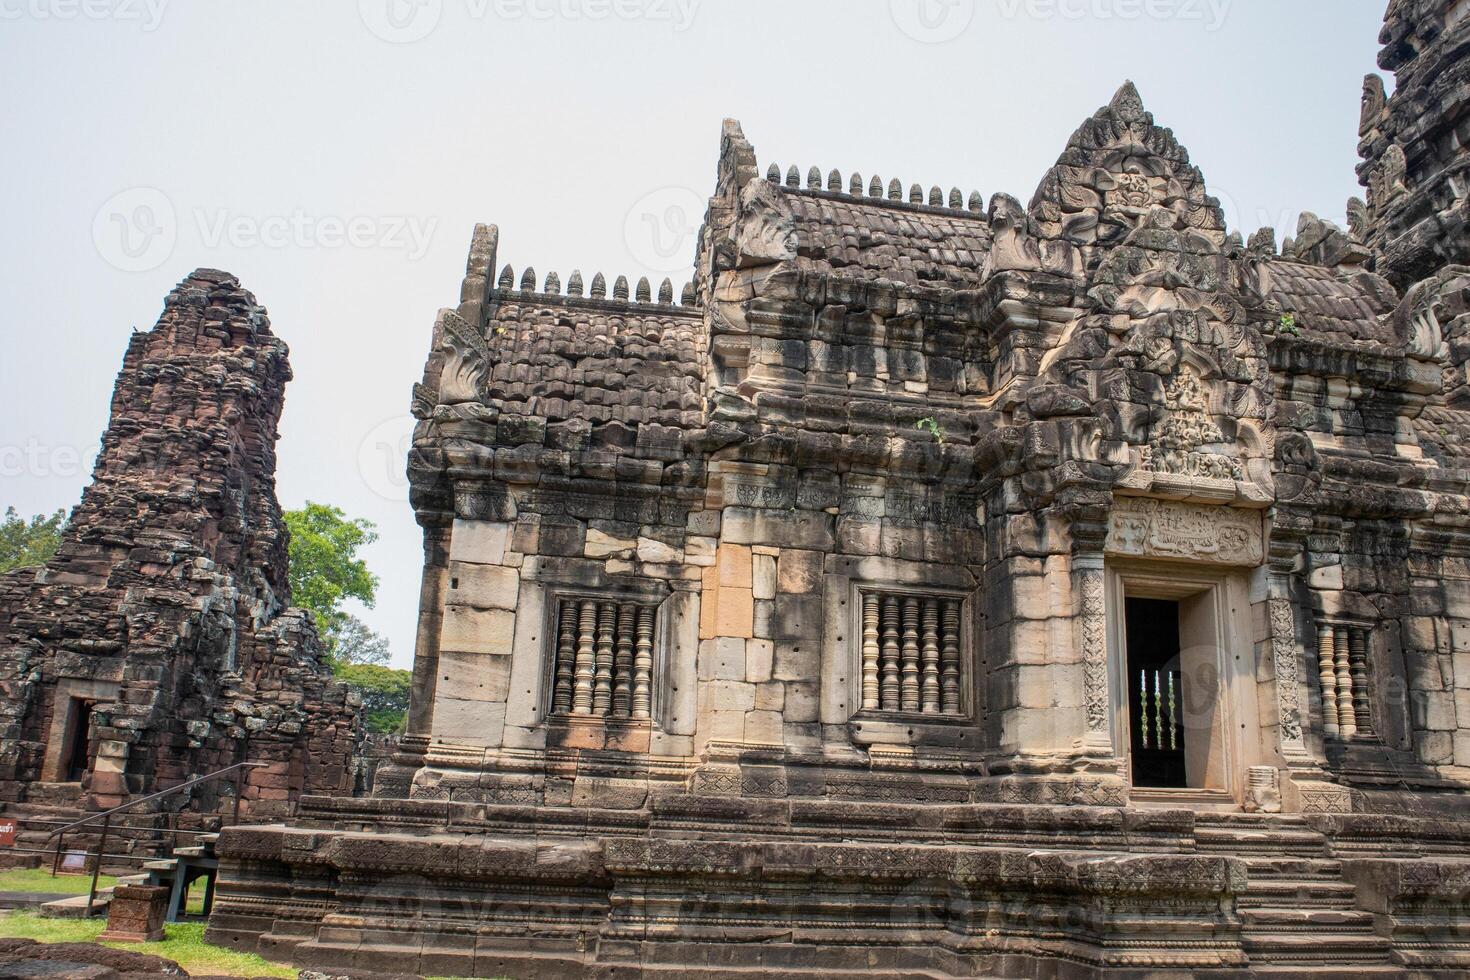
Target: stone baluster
(602,684)
(1358,666)
(949,683)
(871,689)
(622,698)
(890,682)
(909,684)
(643,664)
(1347,725)
(1327,677)
(586,665)
(566,659)
(929,682)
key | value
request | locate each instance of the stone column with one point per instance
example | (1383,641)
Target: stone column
(1287,649)
(426,642)
(1089,536)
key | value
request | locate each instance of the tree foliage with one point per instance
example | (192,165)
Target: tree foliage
(29,542)
(384,694)
(326,571)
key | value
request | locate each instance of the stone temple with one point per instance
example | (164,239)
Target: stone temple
(942,589)
(158,644)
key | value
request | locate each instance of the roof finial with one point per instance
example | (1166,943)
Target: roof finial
(855,185)
(644,294)
(814,179)
(936,197)
(620,288)
(1127,99)
(666,292)
(574,284)
(834,182)
(956,199)
(774,173)
(875,189)
(977,203)
(507,278)
(793,177)
(895,190)
(528,280)
(553,284)
(916,194)
(599,286)
(686,298)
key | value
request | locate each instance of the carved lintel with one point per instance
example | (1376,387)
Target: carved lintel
(1147,528)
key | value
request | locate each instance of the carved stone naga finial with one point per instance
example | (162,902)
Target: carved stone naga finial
(466,360)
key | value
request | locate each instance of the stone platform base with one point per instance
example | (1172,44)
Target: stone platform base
(719,887)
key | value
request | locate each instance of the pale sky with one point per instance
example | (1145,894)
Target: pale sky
(335,155)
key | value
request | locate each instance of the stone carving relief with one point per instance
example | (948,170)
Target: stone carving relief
(1375,105)
(1287,664)
(1263,790)
(766,233)
(1178,445)
(1146,528)
(466,360)
(1093,625)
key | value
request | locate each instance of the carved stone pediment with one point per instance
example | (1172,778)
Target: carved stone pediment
(1141,527)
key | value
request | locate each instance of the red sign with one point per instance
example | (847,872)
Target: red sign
(7,833)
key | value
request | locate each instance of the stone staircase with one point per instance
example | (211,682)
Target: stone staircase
(1298,912)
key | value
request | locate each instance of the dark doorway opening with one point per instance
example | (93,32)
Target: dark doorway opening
(1155,694)
(78,754)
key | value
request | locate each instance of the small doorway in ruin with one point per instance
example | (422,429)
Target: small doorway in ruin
(1155,694)
(79,738)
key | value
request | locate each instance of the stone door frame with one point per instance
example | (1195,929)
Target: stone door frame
(69,691)
(1222,631)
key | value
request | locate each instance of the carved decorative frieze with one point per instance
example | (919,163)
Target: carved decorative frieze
(1146,528)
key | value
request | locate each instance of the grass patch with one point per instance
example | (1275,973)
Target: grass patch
(39,881)
(184,944)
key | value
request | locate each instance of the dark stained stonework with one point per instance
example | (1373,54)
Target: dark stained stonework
(1070,589)
(166,605)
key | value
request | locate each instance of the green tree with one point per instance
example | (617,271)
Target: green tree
(356,643)
(29,542)
(384,694)
(325,571)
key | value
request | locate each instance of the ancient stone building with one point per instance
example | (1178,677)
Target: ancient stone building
(941,588)
(157,644)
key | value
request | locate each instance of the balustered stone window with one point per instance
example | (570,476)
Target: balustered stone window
(912,654)
(1345,676)
(602,657)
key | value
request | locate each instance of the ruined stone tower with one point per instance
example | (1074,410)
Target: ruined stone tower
(157,644)
(940,589)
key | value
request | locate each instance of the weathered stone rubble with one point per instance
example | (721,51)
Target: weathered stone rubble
(805,626)
(167,601)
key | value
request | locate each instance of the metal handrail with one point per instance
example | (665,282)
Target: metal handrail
(106,817)
(105,814)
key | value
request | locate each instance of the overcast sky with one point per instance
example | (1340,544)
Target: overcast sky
(335,155)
